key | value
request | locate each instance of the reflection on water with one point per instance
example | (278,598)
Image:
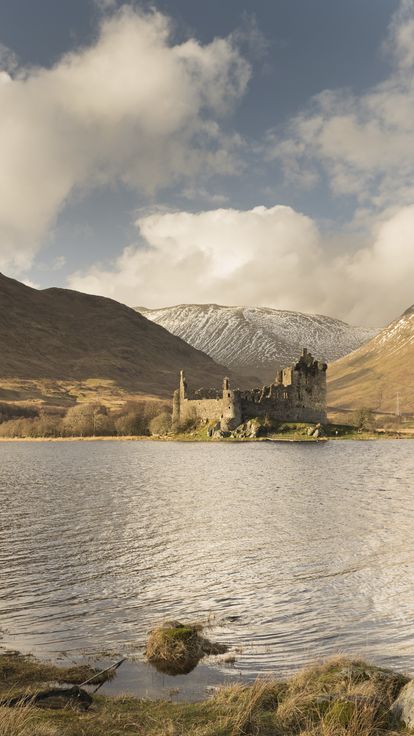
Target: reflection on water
(301,550)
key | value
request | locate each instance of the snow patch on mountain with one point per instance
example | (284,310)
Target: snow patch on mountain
(258,339)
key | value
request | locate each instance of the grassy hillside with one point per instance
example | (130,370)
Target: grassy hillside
(59,345)
(373,375)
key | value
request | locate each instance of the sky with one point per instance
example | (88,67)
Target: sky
(256,152)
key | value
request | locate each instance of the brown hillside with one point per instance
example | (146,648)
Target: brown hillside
(373,375)
(55,338)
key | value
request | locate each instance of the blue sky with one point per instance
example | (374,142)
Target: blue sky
(165,153)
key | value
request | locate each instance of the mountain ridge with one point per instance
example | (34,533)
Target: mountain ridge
(258,340)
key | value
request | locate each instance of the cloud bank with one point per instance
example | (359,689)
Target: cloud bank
(132,107)
(138,108)
(264,256)
(362,144)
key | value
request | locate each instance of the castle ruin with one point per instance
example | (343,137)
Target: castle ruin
(298,394)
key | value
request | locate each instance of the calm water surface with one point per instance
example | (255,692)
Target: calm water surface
(300,550)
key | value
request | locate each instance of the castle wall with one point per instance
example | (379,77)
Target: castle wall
(202,409)
(297,395)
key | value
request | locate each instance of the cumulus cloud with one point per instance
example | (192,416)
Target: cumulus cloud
(8,59)
(105,5)
(363,143)
(264,256)
(132,107)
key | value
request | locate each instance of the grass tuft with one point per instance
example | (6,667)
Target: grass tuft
(176,649)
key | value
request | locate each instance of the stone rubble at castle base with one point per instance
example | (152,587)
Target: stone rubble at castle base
(298,394)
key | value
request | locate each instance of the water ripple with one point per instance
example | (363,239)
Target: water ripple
(299,550)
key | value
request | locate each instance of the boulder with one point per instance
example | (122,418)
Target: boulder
(403,708)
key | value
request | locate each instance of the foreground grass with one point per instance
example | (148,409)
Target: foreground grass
(340,697)
(22,673)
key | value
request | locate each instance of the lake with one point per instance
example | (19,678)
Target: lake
(298,550)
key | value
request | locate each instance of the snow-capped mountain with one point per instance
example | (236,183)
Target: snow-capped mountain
(258,340)
(380,374)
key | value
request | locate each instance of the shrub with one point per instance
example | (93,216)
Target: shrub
(187,424)
(161,424)
(87,420)
(363,419)
(43,426)
(135,417)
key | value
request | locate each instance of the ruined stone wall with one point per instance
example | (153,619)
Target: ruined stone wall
(201,409)
(204,393)
(282,410)
(309,393)
(298,395)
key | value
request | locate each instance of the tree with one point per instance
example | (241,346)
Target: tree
(161,424)
(86,420)
(363,419)
(136,416)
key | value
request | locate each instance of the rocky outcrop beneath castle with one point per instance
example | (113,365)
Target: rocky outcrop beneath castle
(298,394)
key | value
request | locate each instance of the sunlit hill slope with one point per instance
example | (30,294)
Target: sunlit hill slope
(378,374)
(58,345)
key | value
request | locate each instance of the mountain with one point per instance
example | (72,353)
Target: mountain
(55,340)
(257,339)
(377,372)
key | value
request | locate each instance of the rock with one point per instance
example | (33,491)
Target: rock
(316,433)
(403,708)
(310,431)
(220,434)
(253,429)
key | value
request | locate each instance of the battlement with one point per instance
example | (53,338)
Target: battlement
(298,394)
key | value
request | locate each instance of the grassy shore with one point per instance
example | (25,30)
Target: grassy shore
(336,698)
(288,432)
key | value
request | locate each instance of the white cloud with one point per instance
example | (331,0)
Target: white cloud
(363,143)
(200,193)
(105,5)
(8,59)
(270,257)
(132,107)
(401,36)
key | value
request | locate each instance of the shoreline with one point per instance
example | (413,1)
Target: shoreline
(368,437)
(338,696)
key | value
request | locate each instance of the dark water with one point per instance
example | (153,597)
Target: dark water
(299,550)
